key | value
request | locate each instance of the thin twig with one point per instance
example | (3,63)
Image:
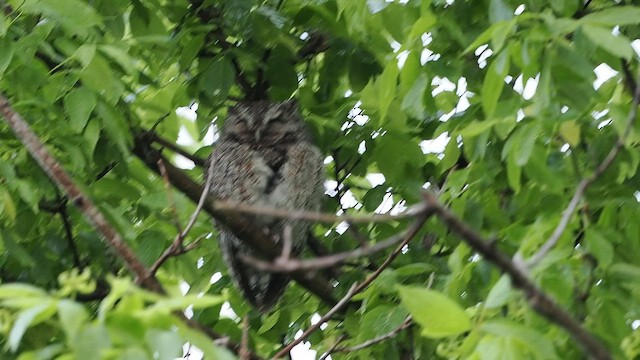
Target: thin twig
(316,216)
(176,247)
(173,147)
(567,214)
(292,264)
(170,201)
(407,323)
(244,352)
(333,347)
(317,325)
(355,289)
(538,299)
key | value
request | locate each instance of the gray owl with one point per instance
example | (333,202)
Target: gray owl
(265,156)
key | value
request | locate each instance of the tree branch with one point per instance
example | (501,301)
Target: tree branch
(316,326)
(285,265)
(255,236)
(355,289)
(176,247)
(407,323)
(539,300)
(567,214)
(60,176)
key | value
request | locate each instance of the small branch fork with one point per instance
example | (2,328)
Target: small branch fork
(567,214)
(177,248)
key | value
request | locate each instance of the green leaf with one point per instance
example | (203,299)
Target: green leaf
(379,94)
(79,104)
(99,77)
(204,343)
(536,342)
(115,126)
(72,317)
(8,207)
(18,290)
(121,57)
(494,82)
(513,174)
(26,319)
(76,16)
(85,54)
(91,342)
(499,11)
(16,250)
(499,293)
(6,54)
(166,306)
(437,315)
(167,344)
(381,320)
(451,156)
(615,15)
(618,46)
(570,131)
(216,80)
(486,36)
(599,246)
(412,102)
(398,157)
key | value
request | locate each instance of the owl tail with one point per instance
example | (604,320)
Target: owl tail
(261,289)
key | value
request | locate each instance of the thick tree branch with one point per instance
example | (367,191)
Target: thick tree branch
(538,299)
(567,214)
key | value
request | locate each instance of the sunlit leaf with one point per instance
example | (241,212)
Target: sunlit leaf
(437,315)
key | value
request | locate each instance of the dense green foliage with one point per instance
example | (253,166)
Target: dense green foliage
(94,77)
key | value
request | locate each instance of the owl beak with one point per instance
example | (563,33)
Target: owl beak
(258,134)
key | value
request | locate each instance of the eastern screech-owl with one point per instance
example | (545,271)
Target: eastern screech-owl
(265,156)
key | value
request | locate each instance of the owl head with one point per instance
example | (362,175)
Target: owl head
(265,123)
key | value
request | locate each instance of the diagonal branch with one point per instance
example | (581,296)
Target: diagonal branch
(567,214)
(176,247)
(62,178)
(316,326)
(355,289)
(407,323)
(538,299)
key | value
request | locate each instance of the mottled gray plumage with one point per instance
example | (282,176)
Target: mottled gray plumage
(265,156)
